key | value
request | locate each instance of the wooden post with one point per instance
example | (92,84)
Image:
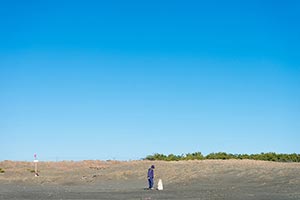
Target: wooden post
(35,166)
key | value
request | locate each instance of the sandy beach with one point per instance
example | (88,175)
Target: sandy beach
(208,179)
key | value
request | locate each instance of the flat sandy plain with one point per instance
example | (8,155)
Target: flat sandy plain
(205,180)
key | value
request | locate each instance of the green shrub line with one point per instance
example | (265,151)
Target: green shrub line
(2,170)
(271,156)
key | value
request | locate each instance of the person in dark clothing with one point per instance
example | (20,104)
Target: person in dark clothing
(151,176)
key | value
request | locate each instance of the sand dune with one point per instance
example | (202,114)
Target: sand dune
(207,179)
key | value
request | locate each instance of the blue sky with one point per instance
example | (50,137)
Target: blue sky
(125,79)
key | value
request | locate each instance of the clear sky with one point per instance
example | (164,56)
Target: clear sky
(125,79)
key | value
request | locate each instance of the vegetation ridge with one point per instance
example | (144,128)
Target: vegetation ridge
(271,156)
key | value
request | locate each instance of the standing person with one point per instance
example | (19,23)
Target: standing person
(151,177)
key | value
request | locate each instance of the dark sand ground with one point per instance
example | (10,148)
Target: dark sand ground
(208,179)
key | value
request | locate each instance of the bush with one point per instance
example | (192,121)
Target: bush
(220,155)
(194,156)
(2,170)
(156,156)
(271,156)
